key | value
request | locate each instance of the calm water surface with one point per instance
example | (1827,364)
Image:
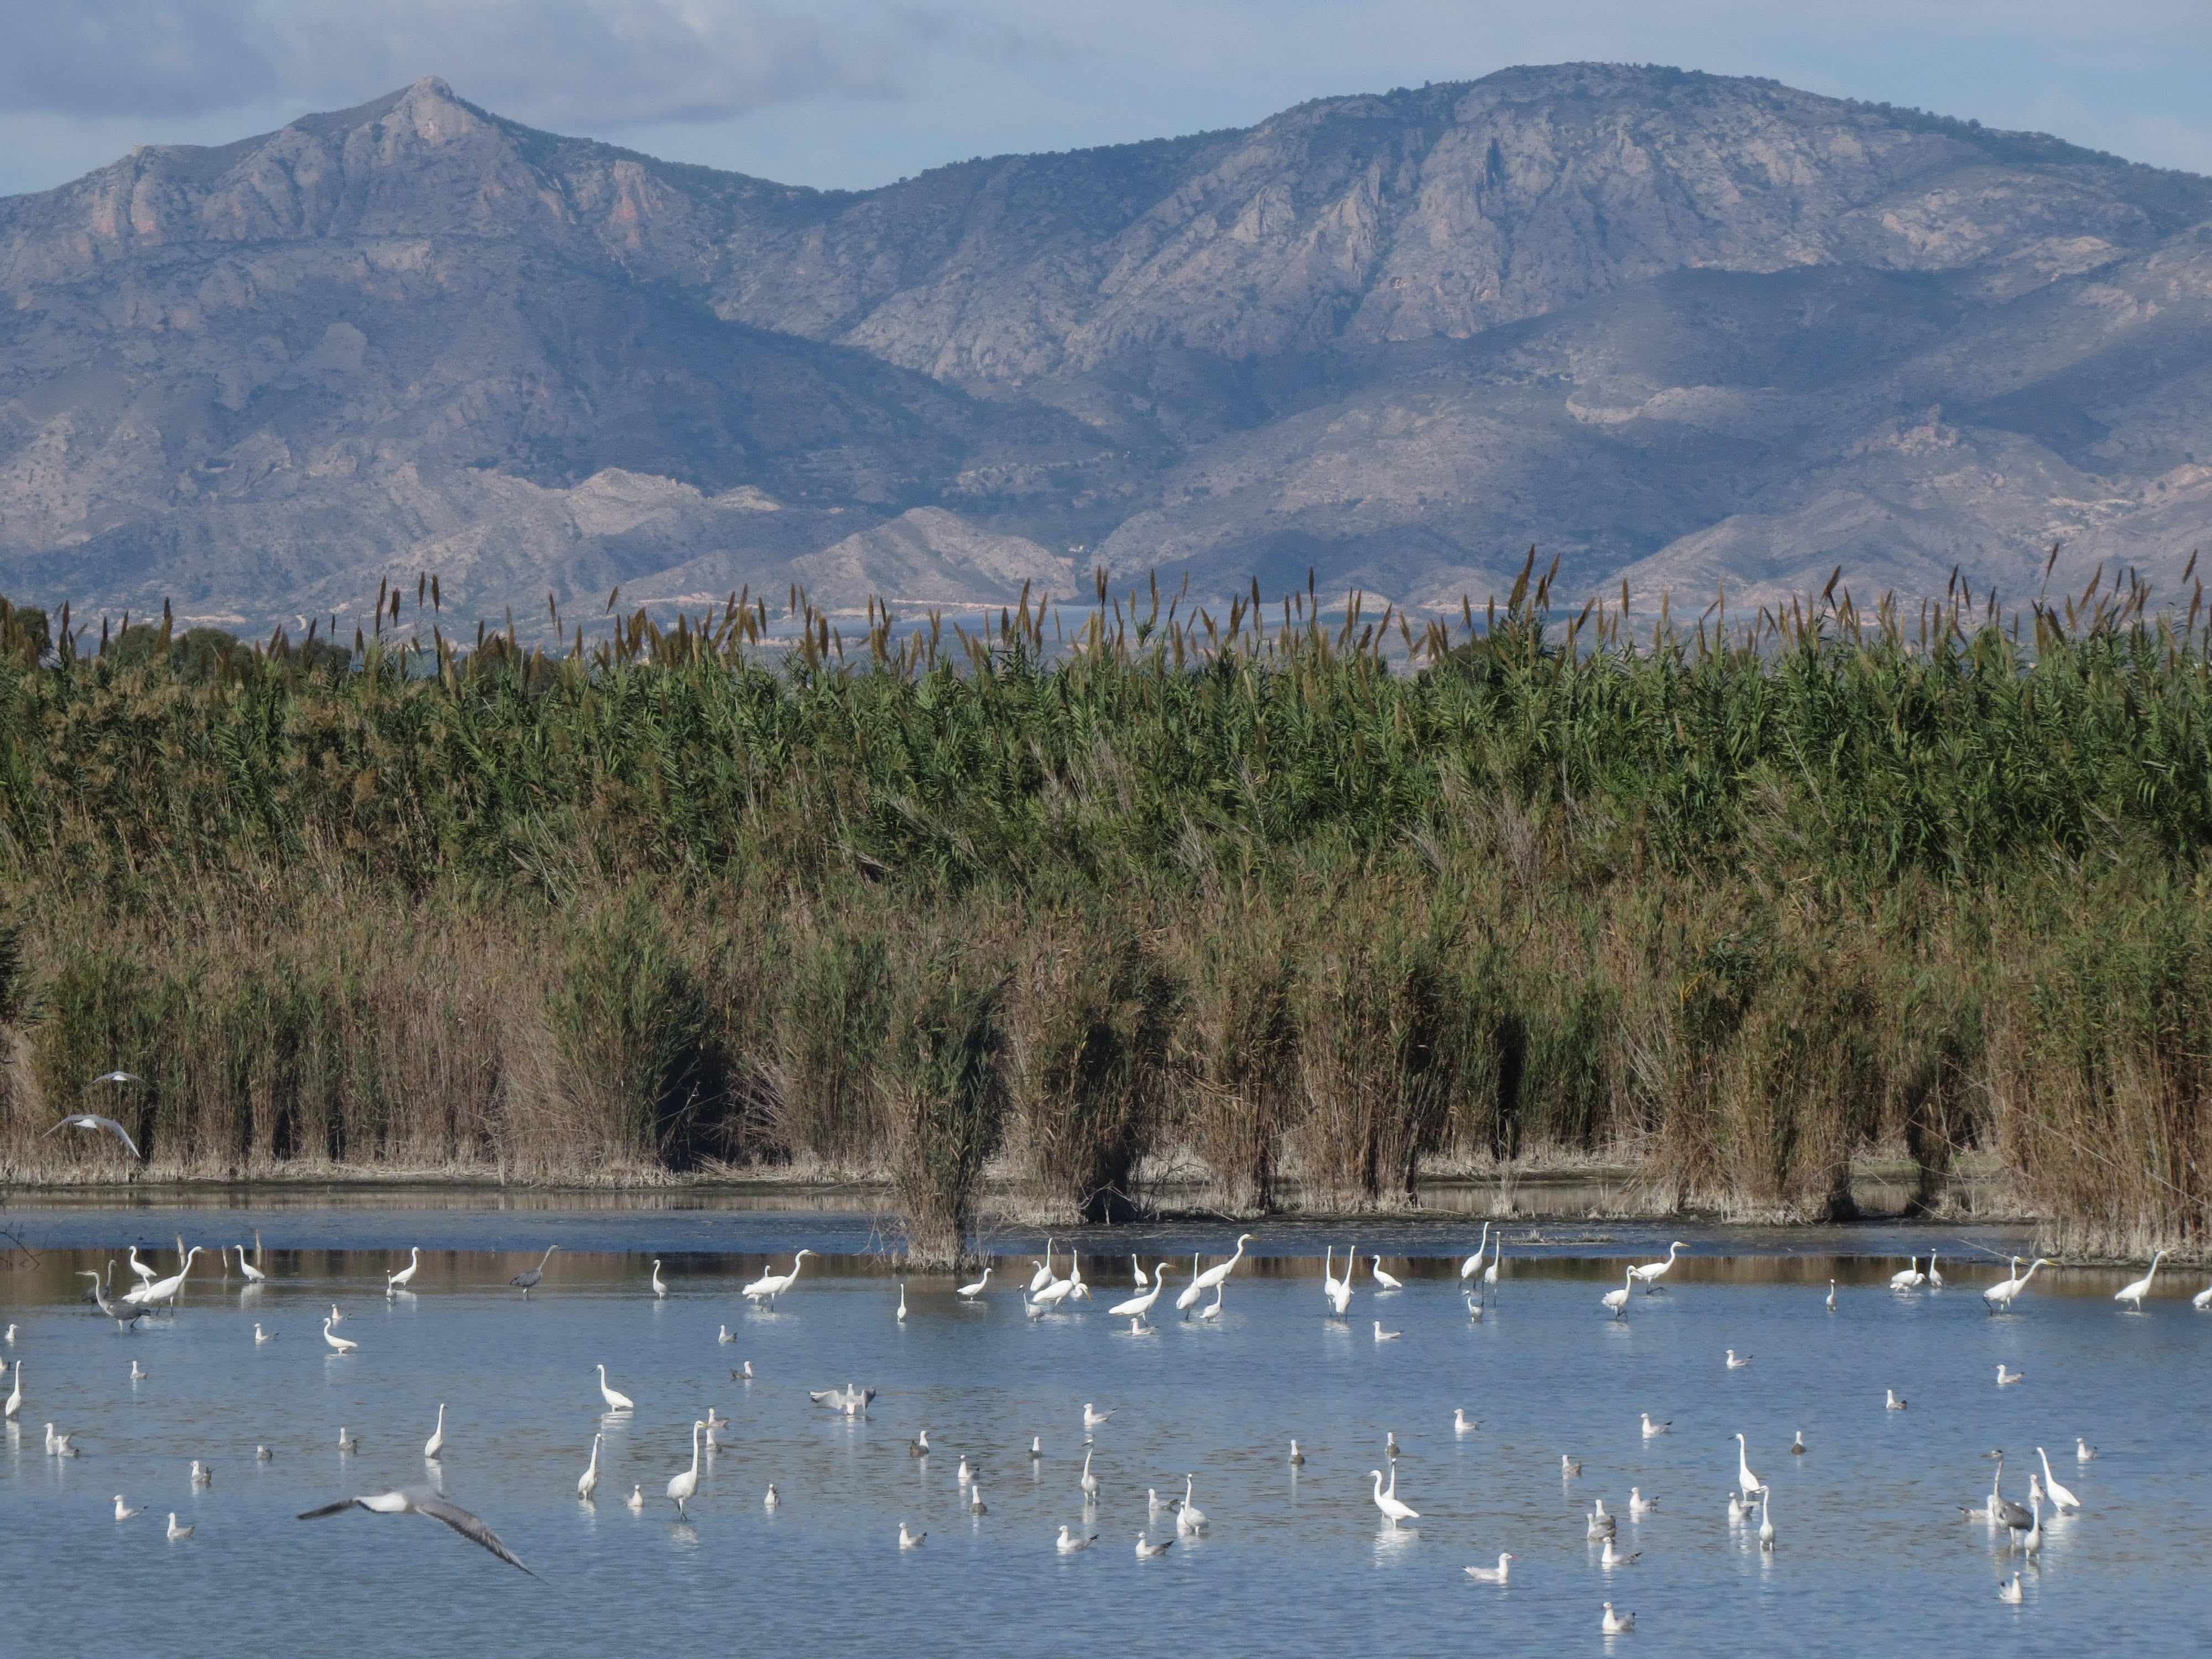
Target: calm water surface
(1873,1559)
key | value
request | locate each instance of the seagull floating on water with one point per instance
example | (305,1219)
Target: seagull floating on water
(1497,1574)
(1653,1430)
(177,1533)
(2006,1379)
(1150,1552)
(1616,1623)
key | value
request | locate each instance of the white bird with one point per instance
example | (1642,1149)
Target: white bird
(637,1499)
(260,1336)
(341,1344)
(919,1446)
(424,1500)
(145,1271)
(975,1504)
(1569,1468)
(1497,1255)
(617,1400)
(963,1474)
(2001,1294)
(970,1293)
(2201,1301)
(1908,1278)
(263,1455)
(1136,1271)
(436,1443)
(93,1120)
(138,1372)
(1462,1423)
(14,1400)
(253,1274)
(1382,1336)
(1891,1402)
(1473,1264)
(1190,1518)
(162,1290)
(202,1475)
(902,1306)
(681,1487)
(2006,1379)
(2061,1497)
(1212,1312)
(1735,1364)
(1069,1543)
(1653,1430)
(398,1281)
(1797,1445)
(1496,1575)
(1149,1552)
(123,1512)
(1337,1291)
(1044,1274)
(1739,1509)
(1638,1504)
(726,1337)
(772,1499)
(1766,1518)
(589,1481)
(773,1285)
(348,1440)
(1298,1457)
(177,1533)
(1616,1623)
(1140,1307)
(1475,1310)
(1599,1525)
(1832,1296)
(1092,1417)
(1155,1504)
(1201,1283)
(1090,1481)
(2031,1541)
(659,1289)
(1935,1278)
(1053,1294)
(910,1541)
(2133,1294)
(2083,1451)
(1614,1556)
(1652,1271)
(1390,1504)
(1617,1301)
(2011,1593)
(1388,1281)
(1751,1484)
(337,1318)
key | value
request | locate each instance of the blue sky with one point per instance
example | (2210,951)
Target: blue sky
(855,93)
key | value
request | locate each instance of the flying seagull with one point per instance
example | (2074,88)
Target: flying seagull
(93,1120)
(424,1500)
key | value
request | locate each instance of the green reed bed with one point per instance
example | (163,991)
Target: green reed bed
(1300,905)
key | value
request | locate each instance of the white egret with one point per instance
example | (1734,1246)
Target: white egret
(436,1443)
(1388,1281)
(1617,1301)
(529,1279)
(1077,1288)
(1891,1402)
(1390,1504)
(1150,1552)
(1616,1623)
(343,1344)
(1044,1274)
(1935,1278)
(970,1293)
(253,1274)
(1475,1310)
(1473,1264)
(659,1289)
(1339,1291)
(1744,1477)
(910,1541)
(1497,1255)
(2201,1301)
(589,1481)
(146,1273)
(681,1487)
(773,1285)
(398,1281)
(1201,1283)
(1190,1518)
(1069,1543)
(1328,1280)
(177,1533)
(1140,1307)
(1496,1575)
(637,1499)
(901,1314)
(1053,1294)
(2001,1294)
(123,1512)
(2011,1593)
(260,1336)
(1908,1278)
(1212,1312)
(2061,1497)
(1736,1364)
(155,1291)
(1653,1430)
(424,1500)
(1652,1271)
(2006,1379)
(1766,1518)
(1462,1423)
(1832,1296)
(1089,1483)
(2133,1294)
(617,1400)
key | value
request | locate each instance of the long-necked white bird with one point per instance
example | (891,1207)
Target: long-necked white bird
(1616,1302)
(253,1274)
(1054,1293)
(1044,1274)
(1751,1484)
(1497,1255)
(424,1500)
(1391,1505)
(2001,1295)
(2061,1497)
(2133,1294)
(1497,1574)
(1337,1291)
(2202,1299)
(156,1291)
(1616,1623)
(1201,1283)
(1766,1518)
(436,1443)
(1652,1271)
(970,1293)
(616,1399)
(12,1405)
(682,1487)
(1190,1518)
(1832,1296)
(1140,1307)
(1473,1264)
(773,1285)
(1935,1278)
(1089,1482)
(589,1481)
(400,1280)
(1385,1281)
(1909,1277)
(341,1344)
(659,1289)
(901,1314)
(146,1271)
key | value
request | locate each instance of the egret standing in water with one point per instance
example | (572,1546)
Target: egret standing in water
(253,1274)
(436,1443)
(1206,1281)
(772,1285)
(970,1293)
(2000,1296)
(1617,1301)
(1652,1271)
(398,1281)
(682,1487)
(617,1400)
(1390,1504)
(589,1481)
(2133,1294)
(343,1344)
(659,1289)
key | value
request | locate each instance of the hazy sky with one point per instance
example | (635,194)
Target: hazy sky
(860,92)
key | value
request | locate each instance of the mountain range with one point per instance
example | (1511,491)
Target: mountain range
(1677,330)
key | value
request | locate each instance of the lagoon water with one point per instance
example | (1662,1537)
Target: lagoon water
(1872,1558)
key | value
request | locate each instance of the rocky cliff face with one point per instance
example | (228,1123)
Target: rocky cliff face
(1674,326)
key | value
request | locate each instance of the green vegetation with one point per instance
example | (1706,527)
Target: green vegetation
(1304,906)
